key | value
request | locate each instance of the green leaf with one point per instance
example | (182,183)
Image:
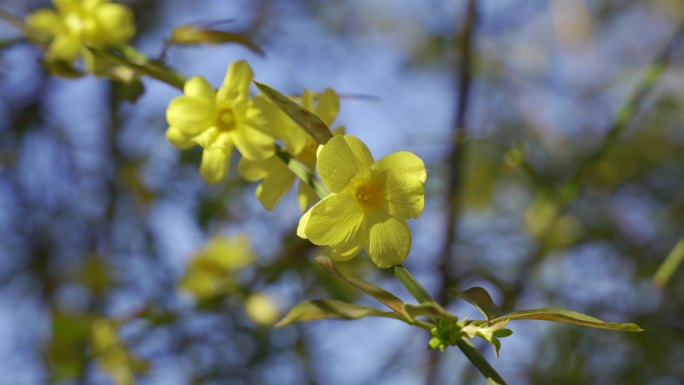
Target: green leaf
(429,309)
(386,298)
(567,316)
(480,362)
(502,333)
(300,115)
(480,298)
(412,285)
(317,309)
(405,312)
(192,35)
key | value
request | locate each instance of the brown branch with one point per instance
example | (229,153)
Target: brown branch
(456,166)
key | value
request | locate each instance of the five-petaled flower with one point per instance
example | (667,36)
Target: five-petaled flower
(75,24)
(369,203)
(219,121)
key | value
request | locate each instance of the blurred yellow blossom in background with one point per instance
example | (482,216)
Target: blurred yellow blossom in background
(75,24)
(211,271)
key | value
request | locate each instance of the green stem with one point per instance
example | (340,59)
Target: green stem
(421,295)
(302,172)
(164,75)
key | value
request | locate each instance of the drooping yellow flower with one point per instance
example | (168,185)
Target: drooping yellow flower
(369,203)
(211,271)
(219,121)
(277,178)
(75,24)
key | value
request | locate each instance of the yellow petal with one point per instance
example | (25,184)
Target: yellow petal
(116,23)
(303,221)
(405,196)
(275,185)
(347,248)
(213,137)
(306,196)
(342,159)
(403,162)
(237,81)
(253,170)
(252,143)
(334,219)
(199,87)
(405,177)
(190,115)
(340,253)
(389,240)
(65,6)
(177,139)
(214,165)
(45,22)
(64,47)
(328,106)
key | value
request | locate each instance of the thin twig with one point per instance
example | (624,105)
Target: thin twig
(456,167)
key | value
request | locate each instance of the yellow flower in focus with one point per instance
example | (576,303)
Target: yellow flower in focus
(211,271)
(369,203)
(75,24)
(277,177)
(260,308)
(219,121)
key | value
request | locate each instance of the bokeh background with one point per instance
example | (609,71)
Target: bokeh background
(565,188)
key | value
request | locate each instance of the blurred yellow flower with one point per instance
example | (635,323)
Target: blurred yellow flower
(112,355)
(277,178)
(75,24)
(260,308)
(211,271)
(219,121)
(369,203)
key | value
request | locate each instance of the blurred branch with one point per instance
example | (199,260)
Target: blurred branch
(626,114)
(670,264)
(456,157)
(456,167)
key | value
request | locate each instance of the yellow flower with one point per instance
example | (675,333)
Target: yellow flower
(217,121)
(369,203)
(211,271)
(77,23)
(261,309)
(112,355)
(277,178)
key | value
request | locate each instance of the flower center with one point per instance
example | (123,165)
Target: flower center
(226,119)
(369,194)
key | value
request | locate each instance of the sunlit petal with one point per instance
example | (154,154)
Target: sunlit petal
(342,159)
(333,219)
(214,167)
(389,240)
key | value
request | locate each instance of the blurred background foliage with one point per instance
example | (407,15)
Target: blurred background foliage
(118,264)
